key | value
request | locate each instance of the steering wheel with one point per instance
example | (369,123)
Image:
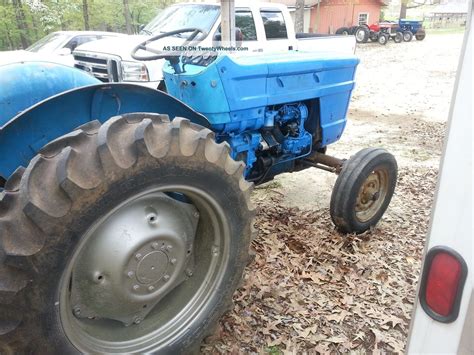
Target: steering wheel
(159,54)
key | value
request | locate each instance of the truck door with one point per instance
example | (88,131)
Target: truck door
(251,37)
(276,33)
(245,21)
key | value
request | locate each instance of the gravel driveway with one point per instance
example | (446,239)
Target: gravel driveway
(311,289)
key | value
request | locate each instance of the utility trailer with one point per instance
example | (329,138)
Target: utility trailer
(443,316)
(125,213)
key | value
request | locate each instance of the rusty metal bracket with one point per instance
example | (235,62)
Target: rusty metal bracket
(325,162)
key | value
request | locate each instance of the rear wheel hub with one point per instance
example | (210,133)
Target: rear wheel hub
(134,257)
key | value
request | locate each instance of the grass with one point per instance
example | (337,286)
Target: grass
(442,31)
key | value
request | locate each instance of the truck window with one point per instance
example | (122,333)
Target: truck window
(274,23)
(78,40)
(244,21)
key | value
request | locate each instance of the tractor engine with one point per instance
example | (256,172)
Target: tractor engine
(269,150)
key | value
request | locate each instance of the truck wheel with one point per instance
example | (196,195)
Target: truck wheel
(407,36)
(383,39)
(129,237)
(363,190)
(362,34)
(398,37)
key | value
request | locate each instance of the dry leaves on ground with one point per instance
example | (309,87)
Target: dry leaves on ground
(311,289)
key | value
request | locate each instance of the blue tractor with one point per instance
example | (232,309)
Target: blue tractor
(125,213)
(410,28)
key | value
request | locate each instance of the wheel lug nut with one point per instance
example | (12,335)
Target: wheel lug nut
(130,274)
(169,247)
(196,214)
(163,248)
(173,261)
(136,287)
(151,288)
(138,256)
(137,320)
(166,277)
(189,272)
(155,245)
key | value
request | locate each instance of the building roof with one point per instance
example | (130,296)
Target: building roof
(292,3)
(451,8)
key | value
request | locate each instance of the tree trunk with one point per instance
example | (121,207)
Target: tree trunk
(21,23)
(403,9)
(85,14)
(299,16)
(128,20)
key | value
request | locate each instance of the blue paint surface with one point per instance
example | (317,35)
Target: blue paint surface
(234,92)
(259,104)
(23,135)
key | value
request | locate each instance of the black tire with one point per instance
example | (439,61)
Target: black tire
(342,31)
(407,36)
(162,86)
(354,176)
(46,209)
(383,39)
(362,34)
(374,36)
(398,37)
(420,35)
(352,29)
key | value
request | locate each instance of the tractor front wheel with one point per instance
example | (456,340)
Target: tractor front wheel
(126,237)
(407,36)
(383,38)
(363,190)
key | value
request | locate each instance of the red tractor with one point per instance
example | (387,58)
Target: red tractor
(378,32)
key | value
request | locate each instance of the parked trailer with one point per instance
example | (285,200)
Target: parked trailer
(125,213)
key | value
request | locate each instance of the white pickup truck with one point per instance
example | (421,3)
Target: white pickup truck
(264,27)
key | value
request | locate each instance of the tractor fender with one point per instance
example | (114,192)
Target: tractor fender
(25,134)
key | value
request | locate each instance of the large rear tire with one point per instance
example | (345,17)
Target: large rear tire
(420,35)
(342,31)
(363,190)
(362,34)
(129,237)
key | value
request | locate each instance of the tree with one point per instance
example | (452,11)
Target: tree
(21,23)
(85,14)
(299,16)
(128,20)
(411,4)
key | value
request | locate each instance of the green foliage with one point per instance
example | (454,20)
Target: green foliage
(273,350)
(41,17)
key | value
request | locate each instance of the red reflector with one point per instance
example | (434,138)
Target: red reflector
(442,283)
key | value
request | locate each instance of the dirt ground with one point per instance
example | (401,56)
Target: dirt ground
(312,289)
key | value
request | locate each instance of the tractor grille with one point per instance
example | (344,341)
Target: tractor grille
(104,68)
